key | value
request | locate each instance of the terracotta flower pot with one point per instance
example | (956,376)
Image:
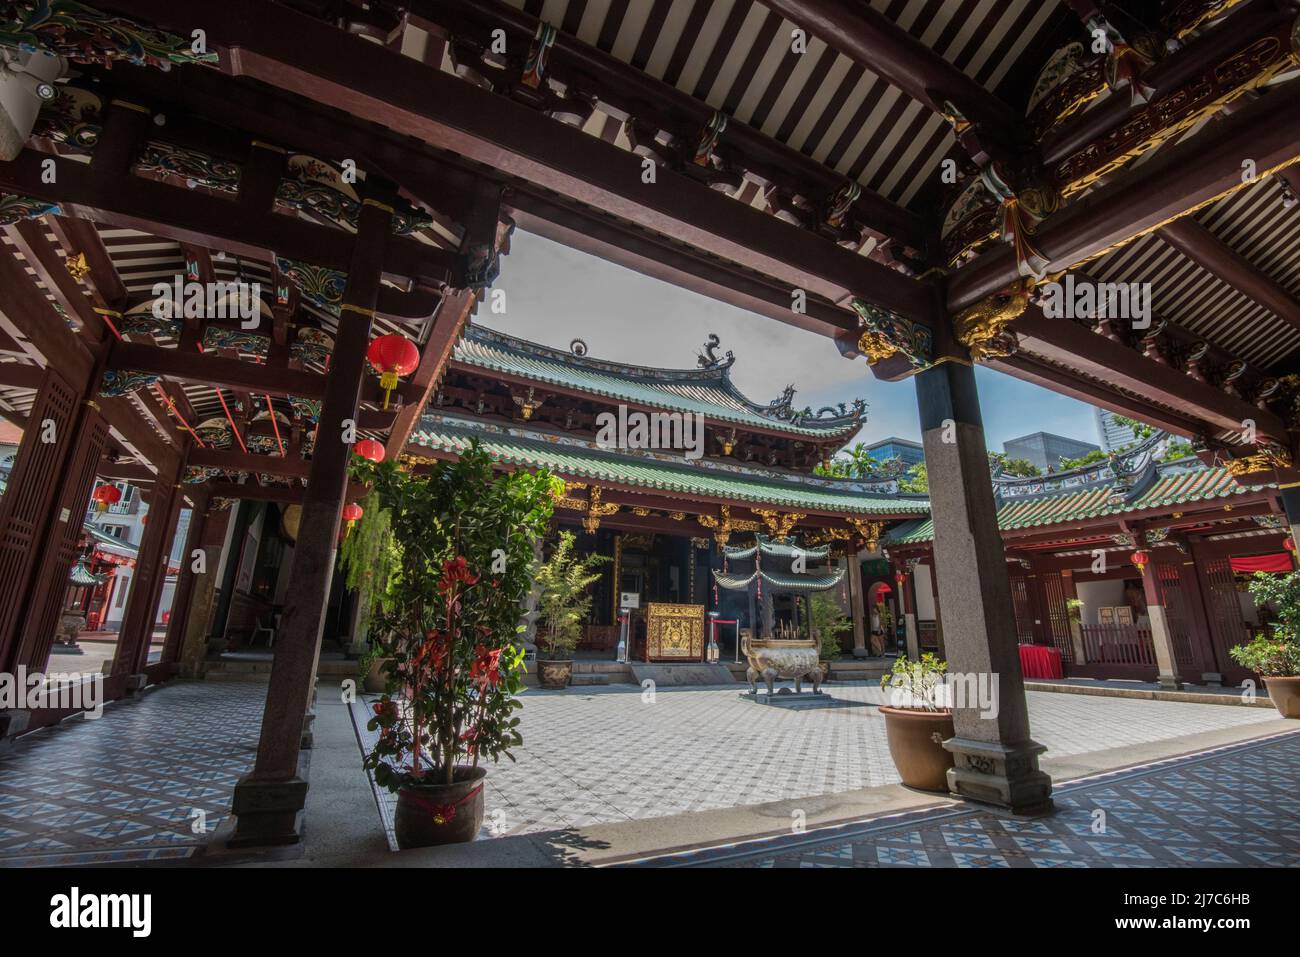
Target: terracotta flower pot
(916,745)
(429,815)
(1285,695)
(554,675)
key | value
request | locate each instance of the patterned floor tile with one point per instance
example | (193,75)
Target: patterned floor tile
(124,788)
(1153,819)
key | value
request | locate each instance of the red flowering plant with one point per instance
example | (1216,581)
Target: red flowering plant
(450,617)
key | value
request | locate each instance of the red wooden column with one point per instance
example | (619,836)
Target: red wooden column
(41,514)
(1161,637)
(909,614)
(268,800)
(181,601)
(146,585)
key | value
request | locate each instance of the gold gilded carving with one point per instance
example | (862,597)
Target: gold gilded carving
(778,525)
(674,632)
(982,328)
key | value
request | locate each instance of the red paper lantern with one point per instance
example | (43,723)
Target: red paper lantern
(106,495)
(900,577)
(1139,558)
(352,513)
(391,356)
(370,450)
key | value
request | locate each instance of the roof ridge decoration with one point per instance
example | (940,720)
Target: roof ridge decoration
(712,371)
(1128,468)
(745,471)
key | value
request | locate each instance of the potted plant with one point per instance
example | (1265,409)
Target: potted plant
(828,621)
(448,628)
(1276,657)
(564,603)
(918,721)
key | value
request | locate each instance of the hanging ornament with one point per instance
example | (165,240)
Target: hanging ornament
(352,513)
(391,356)
(1139,558)
(106,495)
(370,450)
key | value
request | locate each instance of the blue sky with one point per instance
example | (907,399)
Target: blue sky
(554,294)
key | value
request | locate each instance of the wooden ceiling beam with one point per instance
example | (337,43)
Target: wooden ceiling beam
(236,461)
(1066,343)
(654,256)
(314,59)
(623,90)
(172,212)
(1219,259)
(872,40)
(1173,183)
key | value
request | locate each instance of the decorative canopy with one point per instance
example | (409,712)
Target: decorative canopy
(779,582)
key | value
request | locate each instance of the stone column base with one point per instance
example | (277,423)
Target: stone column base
(861,653)
(267,813)
(1169,683)
(308,720)
(13,722)
(1000,775)
(135,685)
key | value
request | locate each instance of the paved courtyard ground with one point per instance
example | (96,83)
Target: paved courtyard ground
(1237,806)
(605,755)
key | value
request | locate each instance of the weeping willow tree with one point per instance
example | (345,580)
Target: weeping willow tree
(368,557)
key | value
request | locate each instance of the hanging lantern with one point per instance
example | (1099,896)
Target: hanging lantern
(391,356)
(900,577)
(106,495)
(370,450)
(352,513)
(1139,558)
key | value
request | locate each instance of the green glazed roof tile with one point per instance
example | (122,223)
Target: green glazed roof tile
(580,462)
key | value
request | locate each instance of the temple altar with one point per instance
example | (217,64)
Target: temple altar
(674,632)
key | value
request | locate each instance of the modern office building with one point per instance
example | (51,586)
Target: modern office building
(1114,435)
(907,450)
(1046,449)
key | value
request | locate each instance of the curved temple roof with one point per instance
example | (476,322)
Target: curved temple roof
(582,460)
(707,389)
(779,582)
(1174,484)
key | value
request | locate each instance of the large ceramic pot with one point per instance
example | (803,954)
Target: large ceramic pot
(432,814)
(916,745)
(554,675)
(1285,695)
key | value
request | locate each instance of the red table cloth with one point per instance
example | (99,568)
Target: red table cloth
(1040,661)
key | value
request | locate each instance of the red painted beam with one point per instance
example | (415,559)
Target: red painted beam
(1066,343)
(312,58)
(1214,255)
(887,50)
(1176,180)
(623,90)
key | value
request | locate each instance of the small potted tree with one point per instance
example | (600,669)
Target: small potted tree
(918,721)
(464,538)
(828,622)
(1276,657)
(565,602)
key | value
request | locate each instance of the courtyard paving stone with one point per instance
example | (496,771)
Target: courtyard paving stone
(1227,807)
(604,755)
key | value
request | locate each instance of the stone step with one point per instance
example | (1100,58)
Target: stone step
(589,678)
